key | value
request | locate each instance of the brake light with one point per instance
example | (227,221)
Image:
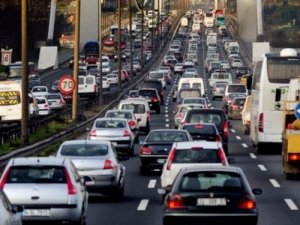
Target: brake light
(175,202)
(179,115)
(171,158)
(126,133)
(70,185)
(145,150)
(61,101)
(109,165)
(222,156)
(154,99)
(199,126)
(235,107)
(93,133)
(261,122)
(46,106)
(131,123)
(225,129)
(247,203)
(294,156)
(4,178)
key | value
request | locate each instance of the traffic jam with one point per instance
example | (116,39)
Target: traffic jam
(174,151)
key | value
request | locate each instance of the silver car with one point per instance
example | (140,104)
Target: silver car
(98,161)
(56,101)
(49,189)
(9,214)
(218,90)
(115,130)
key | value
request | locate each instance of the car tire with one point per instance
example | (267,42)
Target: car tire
(119,194)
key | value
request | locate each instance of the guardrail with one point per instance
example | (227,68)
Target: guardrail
(81,127)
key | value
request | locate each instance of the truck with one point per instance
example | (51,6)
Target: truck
(184,22)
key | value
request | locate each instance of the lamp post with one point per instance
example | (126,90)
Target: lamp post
(142,47)
(119,46)
(24,122)
(130,40)
(100,48)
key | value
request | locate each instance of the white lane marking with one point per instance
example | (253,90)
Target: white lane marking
(233,130)
(238,137)
(152,184)
(166,115)
(143,205)
(166,111)
(262,167)
(167,125)
(166,107)
(173,112)
(291,204)
(167,120)
(274,183)
(252,155)
(244,145)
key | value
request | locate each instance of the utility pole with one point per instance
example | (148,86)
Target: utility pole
(100,49)
(142,47)
(119,46)
(24,122)
(158,25)
(51,22)
(260,31)
(130,39)
(76,60)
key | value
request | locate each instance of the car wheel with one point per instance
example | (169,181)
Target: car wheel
(119,194)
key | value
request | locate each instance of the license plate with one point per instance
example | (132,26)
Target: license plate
(161,161)
(36,212)
(211,201)
(90,182)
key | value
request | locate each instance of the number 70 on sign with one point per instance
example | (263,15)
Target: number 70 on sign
(66,84)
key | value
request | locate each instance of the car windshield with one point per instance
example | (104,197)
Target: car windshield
(166,136)
(196,155)
(111,124)
(212,181)
(205,117)
(126,115)
(36,174)
(84,150)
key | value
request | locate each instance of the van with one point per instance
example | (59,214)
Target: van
(141,110)
(158,75)
(235,88)
(192,82)
(88,86)
(220,77)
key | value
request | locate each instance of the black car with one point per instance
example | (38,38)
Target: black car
(157,145)
(211,195)
(242,70)
(152,96)
(155,84)
(216,116)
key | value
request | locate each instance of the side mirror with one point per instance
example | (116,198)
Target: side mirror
(277,95)
(17,209)
(257,191)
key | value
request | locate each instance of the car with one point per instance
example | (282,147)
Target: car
(182,109)
(54,86)
(39,91)
(133,94)
(126,114)
(97,160)
(199,100)
(190,154)
(234,63)
(137,66)
(178,68)
(127,68)
(112,78)
(48,188)
(187,93)
(202,131)
(235,88)
(33,83)
(154,84)
(216,116)
(236,107)
(9,213)
(218,89)
(116,130)
(211,195)
(229,98)
(106,69)
(44,108)
(156,147)
(56,101)
(158,75)
(152,96)
(242,70)
(105,83)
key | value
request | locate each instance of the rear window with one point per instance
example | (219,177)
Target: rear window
(189,93)
(89,80)
(41,101)
(167,136)
(208,181)
(125,115)
(84,150)
(194,101)
(205,117)
(148,93)
(156,75)
(239,101)
(232,96)
(152,84)
(200,129)
(80,80)
(197,156)
(136,108)
(36,174)
(236,88)
(42,89)
(53,97)
(110,124)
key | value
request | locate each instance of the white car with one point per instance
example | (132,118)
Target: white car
(105,83)
(112,78)
(236,63)
(82,66)
(105,68)
(189,154)
(39,91)
(56,101)
(225,64)
(9,215)
(43,106)
(193,57)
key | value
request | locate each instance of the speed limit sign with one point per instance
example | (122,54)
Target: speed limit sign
(66,85)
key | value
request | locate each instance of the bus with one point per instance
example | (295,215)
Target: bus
(11,102)
(273,72)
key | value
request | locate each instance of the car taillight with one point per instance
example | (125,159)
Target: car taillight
(171,158)
(131,123)
(70,185)
(93,133)
(145,150)
(247,203)
(225,129)
(175,201)
(261,122)
(294,156)
(179,115)
(148,114)
(235,107)
(4,178)
(222,156)
(126,133)
(154,99)
(46,106)
(109,165)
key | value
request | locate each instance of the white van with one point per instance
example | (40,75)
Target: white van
(190,83)
(88,86)
(196,28)
(141,110)
(220,77)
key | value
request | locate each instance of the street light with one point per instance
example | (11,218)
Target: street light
(130,39)
(119,46)
(100,48)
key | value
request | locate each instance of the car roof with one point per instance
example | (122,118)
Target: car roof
(217,168)
(35,161)
(119,110)
(95,142)
(202,143)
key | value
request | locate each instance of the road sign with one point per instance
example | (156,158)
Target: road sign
(297,111)
(66,84)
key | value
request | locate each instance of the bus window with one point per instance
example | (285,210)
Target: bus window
(281,70)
